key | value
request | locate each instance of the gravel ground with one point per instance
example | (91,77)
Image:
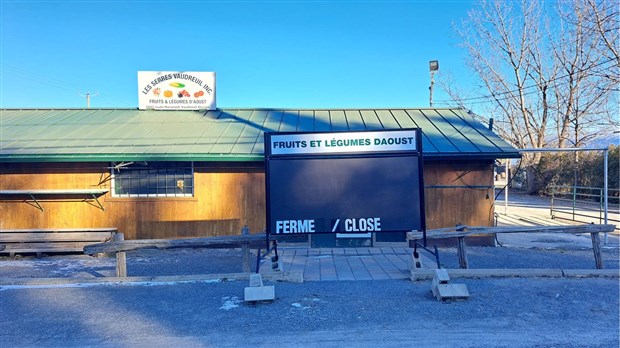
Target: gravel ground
(498,257)
(502,312)
(139,263)
(531,312)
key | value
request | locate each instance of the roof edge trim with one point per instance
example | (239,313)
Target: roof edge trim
(130,157)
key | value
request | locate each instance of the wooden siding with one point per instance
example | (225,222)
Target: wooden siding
(227,196)
(464,203)
(453,194)
(225,199)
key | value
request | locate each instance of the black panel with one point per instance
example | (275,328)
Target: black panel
(328,189)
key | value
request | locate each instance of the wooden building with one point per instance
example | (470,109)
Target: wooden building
(172,174)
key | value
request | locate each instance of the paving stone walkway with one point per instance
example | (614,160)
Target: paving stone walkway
(325,264)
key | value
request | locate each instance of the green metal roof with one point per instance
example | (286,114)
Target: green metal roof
(95,135)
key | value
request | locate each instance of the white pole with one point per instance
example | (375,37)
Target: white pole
(506,189)
(605,179)
(430,98)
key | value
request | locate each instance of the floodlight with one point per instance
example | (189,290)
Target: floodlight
(433,65)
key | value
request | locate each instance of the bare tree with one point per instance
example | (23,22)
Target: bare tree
(548,74)
(582,93)
(603,18)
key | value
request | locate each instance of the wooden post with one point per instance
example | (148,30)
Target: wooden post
(462,253)
(121,258)
(245,250)
(596,246)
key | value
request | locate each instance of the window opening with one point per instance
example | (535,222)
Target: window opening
(153,179)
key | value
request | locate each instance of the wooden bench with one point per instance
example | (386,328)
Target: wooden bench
(460,232)
(52,240)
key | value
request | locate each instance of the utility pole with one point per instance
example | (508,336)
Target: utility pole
(433,66)
(88,95)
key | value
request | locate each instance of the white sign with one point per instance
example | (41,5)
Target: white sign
(170,90)
(343,142)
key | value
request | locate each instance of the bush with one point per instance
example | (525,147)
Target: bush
(579,169)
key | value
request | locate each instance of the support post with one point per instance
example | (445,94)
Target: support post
(596,246)
(430,96)
(463,264)
(121,258)
(605,186)
(245,250)
(506,188)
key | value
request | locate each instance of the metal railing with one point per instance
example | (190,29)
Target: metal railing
(581,203)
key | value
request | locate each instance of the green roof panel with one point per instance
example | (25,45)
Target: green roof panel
(91,135)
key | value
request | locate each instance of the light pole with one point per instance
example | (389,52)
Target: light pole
(433,66)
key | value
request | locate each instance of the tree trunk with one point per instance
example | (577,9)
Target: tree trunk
(532,179)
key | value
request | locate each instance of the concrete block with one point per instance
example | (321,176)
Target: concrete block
(505,273)
(420,274)
(259,293)
(416,260)
(441,276)
(443,292)
(591,273)
(277,266)
(416,267)
(256,280)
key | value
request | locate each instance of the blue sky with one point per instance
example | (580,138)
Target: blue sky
(305,54)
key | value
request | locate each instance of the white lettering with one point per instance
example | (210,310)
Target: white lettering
(362,225)
(295,226)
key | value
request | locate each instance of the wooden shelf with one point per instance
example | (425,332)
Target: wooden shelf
(38,195)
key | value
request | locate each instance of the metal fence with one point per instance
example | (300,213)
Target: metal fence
(582,204)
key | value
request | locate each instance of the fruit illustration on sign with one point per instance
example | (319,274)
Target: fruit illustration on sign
(167,93)
(199,94)
(156,92)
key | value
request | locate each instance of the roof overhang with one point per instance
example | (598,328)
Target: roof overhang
(47,158)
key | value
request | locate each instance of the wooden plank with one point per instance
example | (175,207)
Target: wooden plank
(54,192)
(245,252)
(121,257)
(462,253)
(466,230)
(31,237)
(29,230)
(252,240)
(596,246)
(44,247)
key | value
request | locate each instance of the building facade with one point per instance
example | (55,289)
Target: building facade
(175,174)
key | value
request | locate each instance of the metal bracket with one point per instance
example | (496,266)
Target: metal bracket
(36,202)
(97,200)
(435,253)
(269,248)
